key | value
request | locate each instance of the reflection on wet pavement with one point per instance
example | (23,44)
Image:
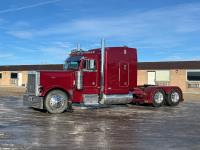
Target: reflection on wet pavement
(117,127)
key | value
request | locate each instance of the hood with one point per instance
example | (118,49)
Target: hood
(57,79)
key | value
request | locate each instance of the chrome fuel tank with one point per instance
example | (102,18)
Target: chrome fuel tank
(116,99)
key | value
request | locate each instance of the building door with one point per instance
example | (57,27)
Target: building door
(152,77)
(14,78)
(19,79)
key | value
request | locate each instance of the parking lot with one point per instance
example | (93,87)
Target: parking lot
(116,127)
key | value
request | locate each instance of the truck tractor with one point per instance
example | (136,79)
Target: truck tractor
(106,75)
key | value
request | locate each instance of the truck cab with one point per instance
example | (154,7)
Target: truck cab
(107,75)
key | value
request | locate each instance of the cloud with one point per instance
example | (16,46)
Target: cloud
(162,22)
(23,49)
(174,57)
(1,20)
(55,50)
(6,55)
(196,58)
(21,24)
(28,6)
(2,24)
(178,57)
(21,34)
(164,30)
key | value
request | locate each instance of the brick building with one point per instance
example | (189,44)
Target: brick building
(185,74)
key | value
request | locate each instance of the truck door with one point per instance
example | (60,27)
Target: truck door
(90,76)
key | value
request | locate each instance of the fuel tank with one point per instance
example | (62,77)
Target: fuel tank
(116,99)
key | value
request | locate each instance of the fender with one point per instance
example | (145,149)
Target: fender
(167,89)
(45,91)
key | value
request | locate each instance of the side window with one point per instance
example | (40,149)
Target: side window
(193,75)
(13,75)
(89,65)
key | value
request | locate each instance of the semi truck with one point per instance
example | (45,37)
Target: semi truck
(102,76)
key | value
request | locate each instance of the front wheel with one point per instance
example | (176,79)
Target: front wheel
(158,98)
(56,102)
(173,98)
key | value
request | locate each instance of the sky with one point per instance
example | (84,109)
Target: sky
(44,31)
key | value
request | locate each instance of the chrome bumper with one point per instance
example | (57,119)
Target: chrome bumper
(33,101)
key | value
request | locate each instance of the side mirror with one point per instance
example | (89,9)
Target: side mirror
(79,80)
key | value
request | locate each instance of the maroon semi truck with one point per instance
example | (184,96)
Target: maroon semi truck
(107,75)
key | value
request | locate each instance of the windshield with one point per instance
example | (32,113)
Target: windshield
(72,65)
(72,62)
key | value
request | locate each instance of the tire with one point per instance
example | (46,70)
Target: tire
(158,98)
(173,98)
(56,102)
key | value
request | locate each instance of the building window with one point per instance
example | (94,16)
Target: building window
(13,75)
(193,78)
(193,75)
(162,75)
(159,77)
(0,75)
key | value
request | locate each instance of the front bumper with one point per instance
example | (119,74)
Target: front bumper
(33,101)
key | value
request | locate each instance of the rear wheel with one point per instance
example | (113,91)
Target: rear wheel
(158,98)
(173,98)
(56,101)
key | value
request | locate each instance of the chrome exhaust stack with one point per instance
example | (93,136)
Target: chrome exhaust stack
(78,47)
(102,67)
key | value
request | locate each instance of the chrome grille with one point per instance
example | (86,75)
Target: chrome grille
(31,86)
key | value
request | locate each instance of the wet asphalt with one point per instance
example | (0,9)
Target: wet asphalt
(117,127)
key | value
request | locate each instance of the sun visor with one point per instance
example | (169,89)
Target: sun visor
(74,58)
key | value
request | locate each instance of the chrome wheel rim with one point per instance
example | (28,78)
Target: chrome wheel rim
(175,97)
(56,102)
(158,97)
